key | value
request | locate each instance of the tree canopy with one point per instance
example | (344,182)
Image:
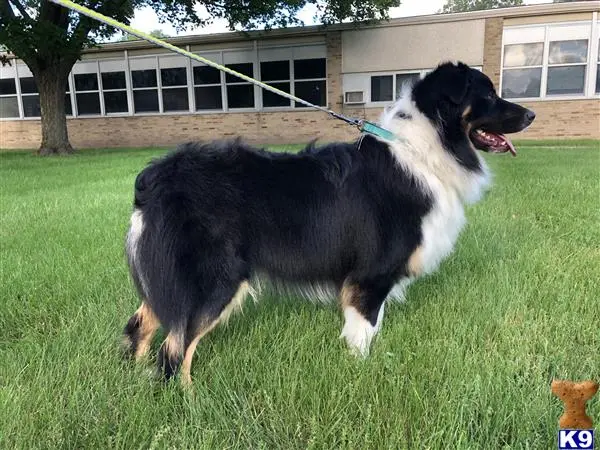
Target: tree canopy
(50,38)
(453,6)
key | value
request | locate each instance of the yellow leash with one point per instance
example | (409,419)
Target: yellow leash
(363,125)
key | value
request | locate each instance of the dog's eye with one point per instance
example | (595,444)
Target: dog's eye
(491,96)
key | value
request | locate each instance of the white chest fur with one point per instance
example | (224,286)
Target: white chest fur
(440,231)
(422,154)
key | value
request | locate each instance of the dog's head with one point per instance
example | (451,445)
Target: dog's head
(468,113)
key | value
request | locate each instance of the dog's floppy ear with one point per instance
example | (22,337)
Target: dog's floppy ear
(458,83)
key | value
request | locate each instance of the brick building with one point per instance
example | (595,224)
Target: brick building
(546,57)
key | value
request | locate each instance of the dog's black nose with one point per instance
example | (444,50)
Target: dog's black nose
(529,115)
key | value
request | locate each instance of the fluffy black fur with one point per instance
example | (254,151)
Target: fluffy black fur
(216,214)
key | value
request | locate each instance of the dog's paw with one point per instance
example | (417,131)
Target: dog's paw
(357,332)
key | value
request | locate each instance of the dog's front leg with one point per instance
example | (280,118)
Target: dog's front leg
(363,305)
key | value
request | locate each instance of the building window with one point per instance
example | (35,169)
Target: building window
(567,62)
(403,79)
(174,89)
(387,88)
(30,97)
(522,75)
(240,93)
(207,88)
(276,74)
(382,88)
(87,94)
(547,61)
(114,90)
(9,105)
(145,90)
(310,81)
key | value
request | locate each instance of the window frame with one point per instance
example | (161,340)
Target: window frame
(393,74)
(289,80)
(17,97)
(592,37)
(291,55)
(256,98)
(125,63)
(10,70)
(126,89)
(156,88)
(294,80)
(218,56)
(74,90)
(166,61)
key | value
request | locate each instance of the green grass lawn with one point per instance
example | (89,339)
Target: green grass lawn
(466,362)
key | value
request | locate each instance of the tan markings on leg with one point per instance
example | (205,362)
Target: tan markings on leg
(415,262)
(235,304)
(174,344)
(148,325)
(349,295)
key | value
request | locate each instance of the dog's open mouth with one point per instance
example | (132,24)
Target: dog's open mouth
(492,142)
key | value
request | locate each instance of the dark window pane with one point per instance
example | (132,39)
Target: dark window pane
(68,106)
(311,91)
(240,96)
(521,83)
(173,77)
(565,52)
(598,79)
(275,70)
(208,97)
(566,80)
(143,78)
(272,99)
(113,80)
(88,103)
(115,102)
(309,68)
(175,99)
(145,101)
(206,75)
(405,78)
(8,86)
(381,88)
(9,107)
(28,85)
(31,106)
(244,68)
(86,82)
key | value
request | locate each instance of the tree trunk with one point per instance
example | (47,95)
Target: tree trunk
(52,82)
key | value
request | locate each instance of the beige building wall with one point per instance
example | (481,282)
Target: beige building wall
(418,46)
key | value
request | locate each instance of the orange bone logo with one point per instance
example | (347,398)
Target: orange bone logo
(574,396)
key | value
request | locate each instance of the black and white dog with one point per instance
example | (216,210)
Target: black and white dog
(364,217)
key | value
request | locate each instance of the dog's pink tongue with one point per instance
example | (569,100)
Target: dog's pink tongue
(511,147)
(501,144)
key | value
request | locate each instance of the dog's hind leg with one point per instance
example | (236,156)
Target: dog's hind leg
(221,305)
(170,354)
(139,331)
